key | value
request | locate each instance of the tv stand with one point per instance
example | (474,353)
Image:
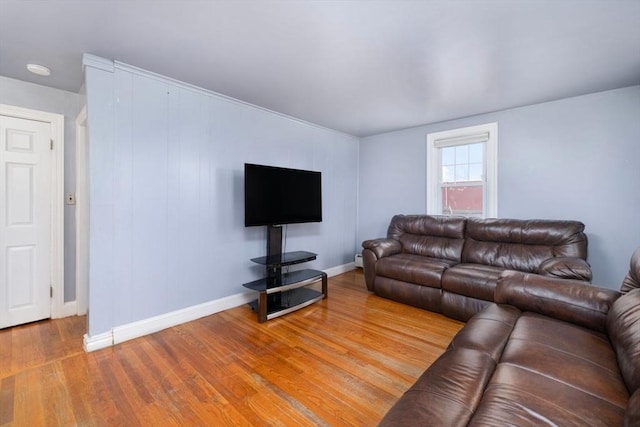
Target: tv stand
(281,293)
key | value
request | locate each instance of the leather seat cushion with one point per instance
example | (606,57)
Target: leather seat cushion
(554,370)
(473,280)
(519,397)
(568,354)
(416,269)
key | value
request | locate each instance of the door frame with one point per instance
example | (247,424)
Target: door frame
(56,121)
(82,213)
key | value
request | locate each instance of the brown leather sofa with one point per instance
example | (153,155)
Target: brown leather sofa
(451,265)
(549,352)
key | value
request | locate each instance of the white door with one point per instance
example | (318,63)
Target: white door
(25,221)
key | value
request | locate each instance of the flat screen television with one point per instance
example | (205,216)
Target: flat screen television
(275,195)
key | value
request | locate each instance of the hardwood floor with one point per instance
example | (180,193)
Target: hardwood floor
(343,361)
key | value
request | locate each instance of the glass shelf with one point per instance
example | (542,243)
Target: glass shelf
(284,281)
(287,258)
(289,301)
(287,292)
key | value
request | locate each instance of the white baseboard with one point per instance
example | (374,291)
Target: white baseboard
(97,342)
(164,321)
(334,271)
(148,326)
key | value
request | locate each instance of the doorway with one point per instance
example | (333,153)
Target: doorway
(32,215)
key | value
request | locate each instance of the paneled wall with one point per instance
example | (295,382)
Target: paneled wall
(576,158)
(166,183)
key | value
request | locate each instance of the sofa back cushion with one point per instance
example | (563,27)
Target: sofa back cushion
(632,281)
(623,328)
(522,244)
(439,237)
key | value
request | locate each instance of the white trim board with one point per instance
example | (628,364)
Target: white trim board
(97,342)
(463,136)
(69,308)
(148,326)
(89,60)
(334,271)
(82,213)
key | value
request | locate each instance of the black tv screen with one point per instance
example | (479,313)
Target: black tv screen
(274,195)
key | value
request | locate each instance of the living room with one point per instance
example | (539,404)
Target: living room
(166,232)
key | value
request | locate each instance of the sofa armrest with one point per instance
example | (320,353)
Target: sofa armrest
(566,268)
(372,251)
(567,300)
(383,247)
(632,280)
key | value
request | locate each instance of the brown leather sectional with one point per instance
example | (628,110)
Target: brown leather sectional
(451,265)
(547,352)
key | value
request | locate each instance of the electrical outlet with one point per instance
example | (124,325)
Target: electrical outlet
(70,198)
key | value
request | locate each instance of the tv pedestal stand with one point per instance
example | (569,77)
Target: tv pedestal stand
(281,293)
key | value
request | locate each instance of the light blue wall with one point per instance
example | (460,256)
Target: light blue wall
(166,183)
(576,158)
(43,98)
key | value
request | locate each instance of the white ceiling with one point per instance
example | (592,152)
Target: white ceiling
(361,67)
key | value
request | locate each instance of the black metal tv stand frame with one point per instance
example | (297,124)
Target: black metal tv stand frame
(281,293)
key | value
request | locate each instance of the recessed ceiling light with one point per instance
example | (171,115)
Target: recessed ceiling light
(40,70)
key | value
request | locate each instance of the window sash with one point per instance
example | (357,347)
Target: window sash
(487,134)
(455,165)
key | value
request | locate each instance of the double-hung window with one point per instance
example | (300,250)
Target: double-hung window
(462,171)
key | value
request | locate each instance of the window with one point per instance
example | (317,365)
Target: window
(462,171)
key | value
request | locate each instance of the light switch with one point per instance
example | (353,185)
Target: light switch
(70,198)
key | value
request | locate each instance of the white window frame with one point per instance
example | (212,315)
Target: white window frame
(487,133)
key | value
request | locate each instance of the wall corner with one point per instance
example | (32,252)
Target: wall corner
(89,60)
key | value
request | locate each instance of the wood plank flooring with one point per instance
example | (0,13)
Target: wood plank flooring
(343,361)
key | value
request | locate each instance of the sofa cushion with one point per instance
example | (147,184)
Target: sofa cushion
(440,237)
(449,391)
(416,269)
(567,353)
(519,397)
(623,327)
(522,244)
(473,280)
(552,370)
